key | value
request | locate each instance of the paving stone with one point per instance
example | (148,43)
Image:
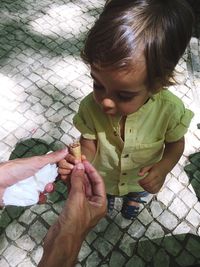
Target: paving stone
(188,197)
(14,255)
(25,243)
(50,217)
(165,196)
(127,245)
(113,233)
(156,209)
(26,263)
(14,230)
(37,231)
(101,226)
(58,206)
(116,259)
(84,252)
(182,228)
(135,261)
(194,218)
(197,207)
(146,250)
(174,185)
(136,229)
(183,178)
(3,263)
(144,217)
(39,209)
(121,221)
(168,220)
(178,208)
(93,260)
(4,219)
(36,255)
(154,231)
(185,259)
(193,246)
(161,259)
(171,245)
(102,246)
(91,237)
(27,217)
(53,197)
(3,243)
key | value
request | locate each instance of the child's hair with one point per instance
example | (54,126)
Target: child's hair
(160,29)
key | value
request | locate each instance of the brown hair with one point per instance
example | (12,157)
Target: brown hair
(161,29)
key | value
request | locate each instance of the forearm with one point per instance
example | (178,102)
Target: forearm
(88,148)
(60,249)
(172,153)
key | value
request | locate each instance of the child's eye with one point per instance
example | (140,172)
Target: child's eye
(125,98)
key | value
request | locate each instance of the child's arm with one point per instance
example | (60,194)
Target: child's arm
(157,172)
(88,149)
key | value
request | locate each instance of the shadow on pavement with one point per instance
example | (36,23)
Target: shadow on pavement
(193,172)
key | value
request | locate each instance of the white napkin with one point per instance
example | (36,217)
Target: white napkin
(26,192)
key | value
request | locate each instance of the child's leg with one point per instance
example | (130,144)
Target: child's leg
(130,207)
(110,202)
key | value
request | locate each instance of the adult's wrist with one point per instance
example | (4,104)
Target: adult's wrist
(61,247)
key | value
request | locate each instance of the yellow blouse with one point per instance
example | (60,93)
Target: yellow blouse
(163,118)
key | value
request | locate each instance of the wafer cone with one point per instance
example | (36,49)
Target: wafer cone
(75,150)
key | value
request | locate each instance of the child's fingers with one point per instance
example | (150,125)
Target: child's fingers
(63,164)
(70,158)
(64,171)
(83,157)
(144,170)
(64,178)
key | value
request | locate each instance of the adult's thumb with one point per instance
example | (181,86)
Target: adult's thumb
(78,177)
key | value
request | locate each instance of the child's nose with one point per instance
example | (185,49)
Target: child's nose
(108,103)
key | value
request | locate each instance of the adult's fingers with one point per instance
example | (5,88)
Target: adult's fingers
(77,178)
(97,183)
(54,157)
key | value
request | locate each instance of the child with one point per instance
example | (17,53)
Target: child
(132,128)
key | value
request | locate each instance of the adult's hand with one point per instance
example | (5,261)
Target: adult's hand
(16,170)
(85,206)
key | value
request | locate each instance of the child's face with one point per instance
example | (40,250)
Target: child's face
(120,92)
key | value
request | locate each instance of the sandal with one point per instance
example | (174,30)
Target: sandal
(130,211)
(110,203)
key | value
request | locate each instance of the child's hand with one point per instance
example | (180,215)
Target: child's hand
(65,166)
(154,179)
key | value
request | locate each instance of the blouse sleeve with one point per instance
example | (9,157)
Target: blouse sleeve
(178,124)
(84,123)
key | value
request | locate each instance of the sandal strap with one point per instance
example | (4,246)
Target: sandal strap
(110,202)
(135,199)
(130,212)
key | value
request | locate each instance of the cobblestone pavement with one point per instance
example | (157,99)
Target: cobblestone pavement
(42,82)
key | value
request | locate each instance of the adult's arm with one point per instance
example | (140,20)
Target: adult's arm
(85,206)
(13,171)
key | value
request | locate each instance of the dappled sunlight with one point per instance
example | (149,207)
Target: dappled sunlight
(58,21)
